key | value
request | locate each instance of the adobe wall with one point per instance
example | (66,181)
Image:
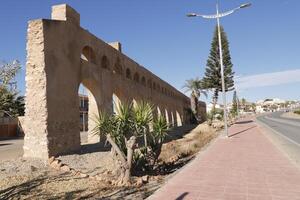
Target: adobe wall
(60,56)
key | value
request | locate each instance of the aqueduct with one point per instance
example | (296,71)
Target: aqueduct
(60,56)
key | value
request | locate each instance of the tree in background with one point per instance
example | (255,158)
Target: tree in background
(195,87)
(10,103)
(234,110)
(212,79)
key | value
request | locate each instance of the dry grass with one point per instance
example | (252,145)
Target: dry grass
(190,144)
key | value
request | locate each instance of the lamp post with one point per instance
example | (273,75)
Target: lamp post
(218,16)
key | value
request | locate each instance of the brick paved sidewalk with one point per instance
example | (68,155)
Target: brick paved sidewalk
(245,166)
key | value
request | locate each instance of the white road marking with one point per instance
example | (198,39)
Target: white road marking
(278,133)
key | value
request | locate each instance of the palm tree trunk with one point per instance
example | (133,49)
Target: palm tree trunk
(194,106)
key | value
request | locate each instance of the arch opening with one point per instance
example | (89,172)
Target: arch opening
(143,81)
(104,62)
(136,77)
(88,54)
(128,73)
(178,119)
(118,69)
(115,103)
(88,108)
(149,83)
(167,117)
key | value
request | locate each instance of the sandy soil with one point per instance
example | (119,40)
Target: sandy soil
(290,115)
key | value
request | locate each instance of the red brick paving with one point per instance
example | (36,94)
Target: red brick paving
(244,166)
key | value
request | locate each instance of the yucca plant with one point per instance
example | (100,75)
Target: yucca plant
(122,129)
(158,135)
(143,117)
(119,132)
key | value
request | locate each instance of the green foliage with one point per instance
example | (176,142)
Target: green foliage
(134,120)
(212,78)
(234,110)
(142,117)
(10,104)
(8,72)
(216,113)
(160,129)
(297,112)
(196,88)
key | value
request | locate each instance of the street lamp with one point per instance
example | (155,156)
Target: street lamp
(218,16)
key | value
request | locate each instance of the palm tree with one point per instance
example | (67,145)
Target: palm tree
(195,87)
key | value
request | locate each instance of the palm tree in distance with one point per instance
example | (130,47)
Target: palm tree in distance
(195,87)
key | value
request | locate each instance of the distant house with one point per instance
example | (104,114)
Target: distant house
(270,105)
(83,112)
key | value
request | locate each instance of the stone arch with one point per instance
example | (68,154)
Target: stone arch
(178,119)
(116,101)
(158,111)
(172,119)
(94,99)
(128,73)
(136,77)
(104,62)
(143,81)
(88,54)
(118,69)
(55,72)
(134,102)
(167,116)
(154,86)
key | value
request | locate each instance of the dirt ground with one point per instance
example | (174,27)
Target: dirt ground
(34,179)
(291,115)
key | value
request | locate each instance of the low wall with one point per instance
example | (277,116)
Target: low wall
(8,127)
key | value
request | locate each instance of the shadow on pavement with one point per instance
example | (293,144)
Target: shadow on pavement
(5,144)
(244,122)
(234,134)
(182,196)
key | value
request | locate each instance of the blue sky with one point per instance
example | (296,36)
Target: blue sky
(263,39)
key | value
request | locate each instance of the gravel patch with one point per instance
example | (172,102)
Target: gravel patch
(21,166)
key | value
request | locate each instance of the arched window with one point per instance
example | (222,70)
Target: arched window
(128,73)
(149,83)
(118,67)
(104,62)
(154,86)
(143,81)
(88,54)
(136,77)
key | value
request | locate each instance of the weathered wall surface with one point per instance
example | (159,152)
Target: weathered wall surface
(60,56)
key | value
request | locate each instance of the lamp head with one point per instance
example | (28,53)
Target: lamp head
(245,5)
(191,15)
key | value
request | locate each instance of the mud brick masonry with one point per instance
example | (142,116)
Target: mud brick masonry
(61,55)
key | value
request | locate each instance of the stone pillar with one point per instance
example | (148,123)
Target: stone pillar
(116,45)
(36,113)
(51,123)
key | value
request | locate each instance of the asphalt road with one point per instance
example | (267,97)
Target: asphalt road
(11,149)
(286,127)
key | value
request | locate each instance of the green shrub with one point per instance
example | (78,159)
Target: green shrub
(297,112)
